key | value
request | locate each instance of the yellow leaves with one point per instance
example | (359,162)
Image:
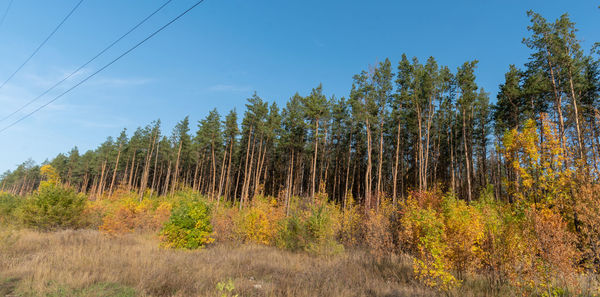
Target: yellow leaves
(50,176)
(351,223)
(536,156)
(445,234)
(259,223)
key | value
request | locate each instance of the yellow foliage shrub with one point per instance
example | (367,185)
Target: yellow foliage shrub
(259,222)
(464,232)
(351,224)
(423,235)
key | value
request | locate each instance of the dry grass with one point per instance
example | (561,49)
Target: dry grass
(33,264)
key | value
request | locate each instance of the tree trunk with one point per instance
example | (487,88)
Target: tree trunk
(154,179)
(221,178)
(228,168)
(112,182)
(176,171)
(347,172)
(576,110)
(246,175)
(369,165)
(380,163)
(131,172)
(214,170)
(467,163)
(314,163)
(396,162)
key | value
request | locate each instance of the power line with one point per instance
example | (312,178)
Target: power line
(105,66)
(42,44)
(86,63)
(5,13)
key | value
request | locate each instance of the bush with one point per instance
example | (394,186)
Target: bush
(379,236)
(188,226)
(588,208)
(223,222)
(464,232)
(259,223)
(551,262)
(8,206)
(52,206)
(313,231)
(351,224)
(423,235)
(131,215)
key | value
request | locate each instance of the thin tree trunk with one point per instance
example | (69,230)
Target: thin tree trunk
(228,169)
(379,163)
(214,170)
(99,189)
(396,162)
(154,179)
(314,162)
(347,172)
(369,165)
(146,172)
(290,185)
(243,196)
(131,172)
(114,177)
(221,178)
(176,171)
(576,110)
(467,163)
(167,179)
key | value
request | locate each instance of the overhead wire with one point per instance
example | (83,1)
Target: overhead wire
(86,63)
(5,13)
(42,44)
(105,66)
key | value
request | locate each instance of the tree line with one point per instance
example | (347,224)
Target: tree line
(415,125)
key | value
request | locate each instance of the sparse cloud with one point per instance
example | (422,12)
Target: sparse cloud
(116,81)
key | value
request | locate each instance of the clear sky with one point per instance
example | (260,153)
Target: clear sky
(224,50)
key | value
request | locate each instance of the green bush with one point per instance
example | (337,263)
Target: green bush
(8,206)
(53,206)
(314,231)
(291,233)
(188,226)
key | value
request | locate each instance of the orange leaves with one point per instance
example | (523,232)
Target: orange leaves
(378,230)
(129,215)
(588,210)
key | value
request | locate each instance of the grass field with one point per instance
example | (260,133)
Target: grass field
(88,263)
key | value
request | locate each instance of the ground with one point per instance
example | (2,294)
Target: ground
(89,263)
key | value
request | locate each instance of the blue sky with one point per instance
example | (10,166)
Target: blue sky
(221,52)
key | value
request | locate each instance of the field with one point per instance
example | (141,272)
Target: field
(88,263)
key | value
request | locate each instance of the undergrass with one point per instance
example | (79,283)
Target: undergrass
(88,263)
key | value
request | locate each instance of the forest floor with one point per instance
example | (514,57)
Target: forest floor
(88,263)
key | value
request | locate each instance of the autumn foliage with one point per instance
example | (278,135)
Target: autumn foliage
(540,242)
